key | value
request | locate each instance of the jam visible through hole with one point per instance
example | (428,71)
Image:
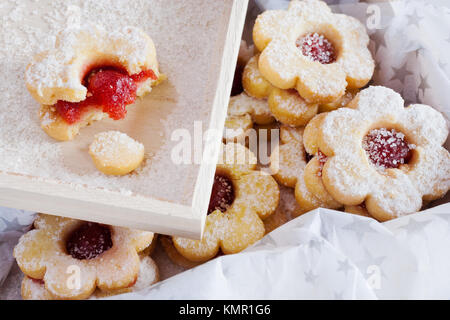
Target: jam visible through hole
(322,158)
(222,195)
(110,88)
(317,48)
(89,241)
(386,148)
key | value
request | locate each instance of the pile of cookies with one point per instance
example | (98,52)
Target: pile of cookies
(342,145)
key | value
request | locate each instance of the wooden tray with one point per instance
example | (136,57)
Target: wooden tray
(169,198)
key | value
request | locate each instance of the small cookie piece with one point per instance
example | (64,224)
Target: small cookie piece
(313,50)
(241,198)
(33,289)
(384,155)
(106,256)
(255,85)
(243,111)
(115,153)
(91,71)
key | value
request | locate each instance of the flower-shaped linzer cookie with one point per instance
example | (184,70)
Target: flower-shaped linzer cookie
(313,50)
(292,167)
(387,156)
(243,111)
(241,197)
(103,256)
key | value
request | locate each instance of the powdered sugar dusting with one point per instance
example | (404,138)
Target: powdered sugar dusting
(183,33)
(111,144)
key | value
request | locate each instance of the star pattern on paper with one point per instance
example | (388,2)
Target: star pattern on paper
(443,65)
(402,72)
(360,227)
(370,260)
(414,19)
(10,225)
(310,277)
(269,241)
(344,266)
(315,244)
(379,38)
(414,225)
(424,84)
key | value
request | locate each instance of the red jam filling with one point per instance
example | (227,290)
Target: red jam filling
(89,241)
(317,48)
(109,88)
(222,195)
(322,160)
(387,148)
(38,281)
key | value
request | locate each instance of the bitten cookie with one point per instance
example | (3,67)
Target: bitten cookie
(384,155)
(104,257)
(309,48)
(115,153)
(241,197)
(91,73)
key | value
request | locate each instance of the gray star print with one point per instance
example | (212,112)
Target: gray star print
(315,244)
(414,19)
(380,39)
(310,277)
(360,227)
(344,266)
(369,261)
(12,225)
(424,84)
(402,72)
(442,65)
(414,226)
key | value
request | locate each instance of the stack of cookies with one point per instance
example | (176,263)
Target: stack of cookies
(341,145)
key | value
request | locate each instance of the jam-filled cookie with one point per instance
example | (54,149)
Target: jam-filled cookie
(313,50)
(243,112)
(293,167)
(115,153)
(33,289)
(287,106)
(91,74)
(241,197)
(384,155)
(105,257)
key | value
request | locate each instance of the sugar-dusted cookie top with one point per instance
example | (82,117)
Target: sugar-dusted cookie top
(106,257)
(384,154)
(313,50)
(115,153)
(57,74)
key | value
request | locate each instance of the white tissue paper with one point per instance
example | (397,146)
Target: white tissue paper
(327,254)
